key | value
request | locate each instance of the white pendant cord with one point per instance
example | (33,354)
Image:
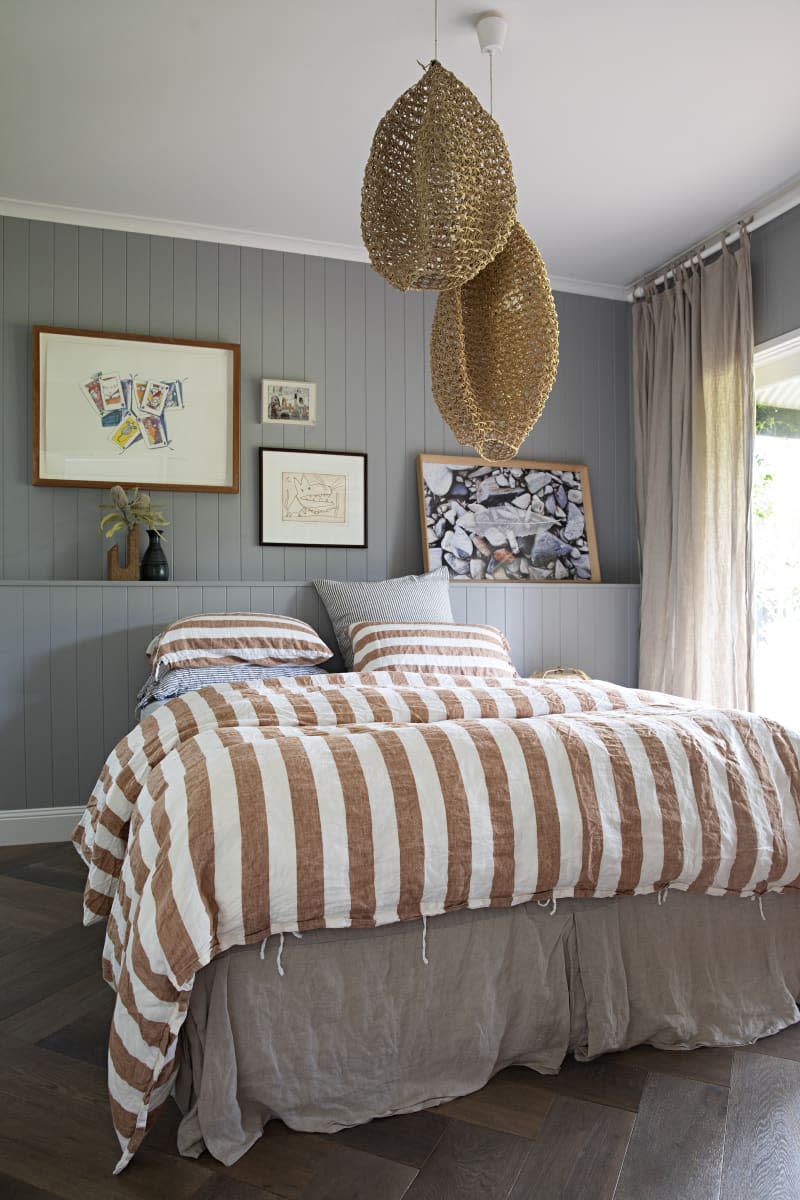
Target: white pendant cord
(436,30)
(491,30)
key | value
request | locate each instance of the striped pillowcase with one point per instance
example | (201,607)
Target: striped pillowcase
(405,598)
(189,679)
(449,649)
(221,639)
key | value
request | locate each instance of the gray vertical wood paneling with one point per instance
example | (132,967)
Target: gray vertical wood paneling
(414,407)
(16,408)
(392,494)
(72,657)
(65,313)
(89,686)
(114,675)
(91,550)
(335,425)
(775,256)
(434,423)
(137,283)
(13,788)
(273,558)
(2,386)
(140,626)
(64,696)
(40,312)
(113,265)
(375,366)
(165,606)
(250,413)
(36,683)
(207,531)
(182,535)
(230,329)
(313,557)
(355,369)
(338,324)
(299,342)
(161,312)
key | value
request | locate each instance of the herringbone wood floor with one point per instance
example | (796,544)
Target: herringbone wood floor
(643,1125)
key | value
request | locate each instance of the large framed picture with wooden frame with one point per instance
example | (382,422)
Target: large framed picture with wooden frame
(519,521)
(122,408)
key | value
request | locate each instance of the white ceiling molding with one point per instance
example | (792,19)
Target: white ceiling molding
(588,287)
(130,223)
(778,347)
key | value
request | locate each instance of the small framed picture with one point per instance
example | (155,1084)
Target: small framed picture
(286,401)
(313,498)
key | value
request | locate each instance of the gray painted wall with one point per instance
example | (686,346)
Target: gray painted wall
(296,317)
(72,658)
(775,253)
(71,653)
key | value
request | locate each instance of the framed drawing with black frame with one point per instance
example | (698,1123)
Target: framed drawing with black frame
(313,498)
(518,521)
(114,408)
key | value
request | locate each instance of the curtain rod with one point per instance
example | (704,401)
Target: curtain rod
(770,207)
(702,249)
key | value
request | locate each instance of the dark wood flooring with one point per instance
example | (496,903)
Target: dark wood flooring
(643,1125)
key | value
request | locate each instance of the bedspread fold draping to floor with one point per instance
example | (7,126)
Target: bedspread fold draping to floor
(359,1027)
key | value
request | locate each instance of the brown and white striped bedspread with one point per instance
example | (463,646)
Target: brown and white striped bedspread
(246,810)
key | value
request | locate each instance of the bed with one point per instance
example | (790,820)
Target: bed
(331,897)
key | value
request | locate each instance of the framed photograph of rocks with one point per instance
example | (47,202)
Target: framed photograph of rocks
(528,522)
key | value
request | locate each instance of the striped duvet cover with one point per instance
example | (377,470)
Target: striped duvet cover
(250,809)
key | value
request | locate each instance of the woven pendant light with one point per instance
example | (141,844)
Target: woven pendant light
(439,198)
(494,351)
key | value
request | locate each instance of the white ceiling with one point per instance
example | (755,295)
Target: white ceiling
(635,127)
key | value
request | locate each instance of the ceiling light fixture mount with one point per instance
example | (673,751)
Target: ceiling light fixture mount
(491,29)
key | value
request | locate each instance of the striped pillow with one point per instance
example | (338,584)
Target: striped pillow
(189,679)
(449,649)
(406,598)
(220,639)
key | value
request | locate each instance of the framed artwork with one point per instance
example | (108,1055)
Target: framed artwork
(284,401)
(313,498)
(518,521)
(122,408)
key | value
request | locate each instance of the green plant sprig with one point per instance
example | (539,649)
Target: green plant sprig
(128,511)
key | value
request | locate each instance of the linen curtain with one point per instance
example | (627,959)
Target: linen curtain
(694,427)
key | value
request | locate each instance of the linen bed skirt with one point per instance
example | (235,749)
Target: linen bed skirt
(358,1026)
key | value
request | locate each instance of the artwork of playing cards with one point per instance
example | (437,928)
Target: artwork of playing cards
(134,410)
(113,408)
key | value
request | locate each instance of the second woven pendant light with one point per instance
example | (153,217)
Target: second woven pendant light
(439,199)
(494,350)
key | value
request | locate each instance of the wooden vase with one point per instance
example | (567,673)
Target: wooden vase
(130,571)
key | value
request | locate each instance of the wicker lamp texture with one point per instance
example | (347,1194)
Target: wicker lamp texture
(494,351)
(439,199)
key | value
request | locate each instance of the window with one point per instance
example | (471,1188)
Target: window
(776,529)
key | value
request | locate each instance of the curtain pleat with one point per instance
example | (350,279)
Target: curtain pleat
(694,427)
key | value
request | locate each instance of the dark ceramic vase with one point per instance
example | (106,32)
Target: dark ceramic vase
(155,568)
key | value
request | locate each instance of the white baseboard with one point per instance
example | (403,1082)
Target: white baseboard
(26,826)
